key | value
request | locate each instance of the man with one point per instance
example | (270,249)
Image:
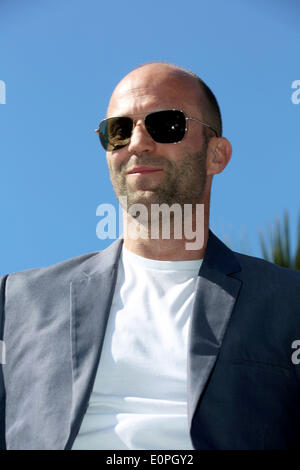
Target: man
(155,342)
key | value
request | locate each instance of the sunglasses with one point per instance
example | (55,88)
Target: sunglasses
(165,127)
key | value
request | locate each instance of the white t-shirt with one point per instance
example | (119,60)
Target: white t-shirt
(139,398)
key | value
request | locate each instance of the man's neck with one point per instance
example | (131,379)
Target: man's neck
(164,250)
(170,249)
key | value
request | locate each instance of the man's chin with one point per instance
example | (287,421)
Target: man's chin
(146,198)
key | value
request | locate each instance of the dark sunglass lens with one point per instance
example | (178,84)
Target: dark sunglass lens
(166,127)
(115,132)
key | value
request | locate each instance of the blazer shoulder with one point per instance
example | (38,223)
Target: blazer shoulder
(265,270)
(64,272)
(67,267)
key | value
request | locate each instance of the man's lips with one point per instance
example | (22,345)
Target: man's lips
(144,169)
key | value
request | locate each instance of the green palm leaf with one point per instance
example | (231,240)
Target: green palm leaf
(280,245)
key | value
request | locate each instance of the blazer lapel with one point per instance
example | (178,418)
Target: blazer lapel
(91,297)
(215,297)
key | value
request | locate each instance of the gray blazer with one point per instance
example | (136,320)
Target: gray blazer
(243,388)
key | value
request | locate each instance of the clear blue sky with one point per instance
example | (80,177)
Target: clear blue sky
(60,60)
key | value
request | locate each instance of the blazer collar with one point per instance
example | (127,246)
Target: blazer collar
(218,257)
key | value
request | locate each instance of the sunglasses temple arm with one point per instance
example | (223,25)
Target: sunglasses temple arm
(204,124)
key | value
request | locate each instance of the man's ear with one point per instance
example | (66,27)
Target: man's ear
(219,151)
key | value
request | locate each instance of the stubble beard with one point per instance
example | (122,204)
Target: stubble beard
(184,182)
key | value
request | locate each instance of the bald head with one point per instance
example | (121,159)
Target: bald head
(181,82)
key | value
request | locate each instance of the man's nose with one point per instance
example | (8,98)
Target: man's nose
(140,141)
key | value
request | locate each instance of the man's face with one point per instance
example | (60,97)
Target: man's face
(149,172)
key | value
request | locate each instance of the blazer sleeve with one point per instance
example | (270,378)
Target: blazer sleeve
(2,390)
